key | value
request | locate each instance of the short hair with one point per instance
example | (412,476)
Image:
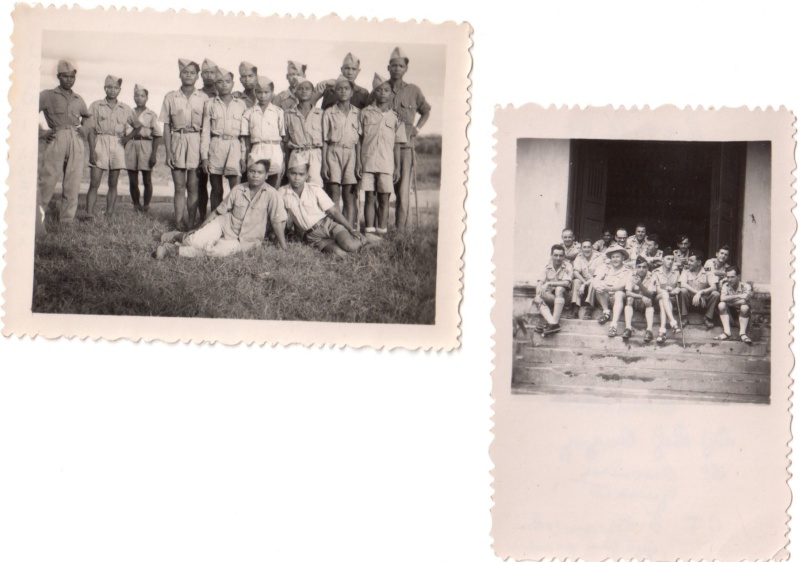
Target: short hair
(697,253)
(606,229)
(585,240)
(668,252)
(725,247)
(195,65)
(641,225)
(555,247)
(682,237)
(264,162)
(736,269)
(621,228)
(654,238)
(568,230)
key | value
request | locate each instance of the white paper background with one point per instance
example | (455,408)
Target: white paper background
(119,451)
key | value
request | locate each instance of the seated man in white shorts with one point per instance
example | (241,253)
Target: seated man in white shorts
(315,217)
(735,296)
(238,224)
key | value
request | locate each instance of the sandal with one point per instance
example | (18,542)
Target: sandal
(627,333)
(745,339)
(612,331)
(676,330)
(723,337)
(604,318)
(648,335)
(662,336)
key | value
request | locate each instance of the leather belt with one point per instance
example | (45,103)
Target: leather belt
(225,137)
(267,142)
(316,225)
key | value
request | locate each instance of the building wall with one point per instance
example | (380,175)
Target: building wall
(756,216)
(540,204)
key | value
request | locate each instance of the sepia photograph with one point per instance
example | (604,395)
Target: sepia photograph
(247,176)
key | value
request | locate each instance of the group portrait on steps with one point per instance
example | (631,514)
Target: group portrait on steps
(620,273)
(290,165)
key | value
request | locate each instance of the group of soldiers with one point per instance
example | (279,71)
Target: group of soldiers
(213,133)
(622,273)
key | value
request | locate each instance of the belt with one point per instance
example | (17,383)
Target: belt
(137,137)
(312,147)
(316,225)
(266,142)
(66,128)
(225,137)
(187,131)
(110,134)
(341,145)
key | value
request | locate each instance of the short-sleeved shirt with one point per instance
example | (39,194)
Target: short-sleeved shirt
(743,291)
(286,100)
(666,280)
(634,247)
(108,120)
(563,273)
(586,267)
(613,277)
(381,131)
(408,101)
(309,207)
(219,119)
(62,108)
(150,125)
(360,97)
(644,284)
(263,124)
(183,113)
(697,281)
(248,101)
(657,257)
(246,217)
(599,246)
(713,265)
(304,131)
(572,252)
(341,127)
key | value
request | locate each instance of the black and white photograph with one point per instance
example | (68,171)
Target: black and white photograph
(259,176)
(642,269)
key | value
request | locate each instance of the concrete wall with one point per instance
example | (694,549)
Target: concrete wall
(756,216)
(540,204)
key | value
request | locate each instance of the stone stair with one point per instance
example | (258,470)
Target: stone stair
(582,359)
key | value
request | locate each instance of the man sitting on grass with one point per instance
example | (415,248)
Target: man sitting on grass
(238,224)
(314,215)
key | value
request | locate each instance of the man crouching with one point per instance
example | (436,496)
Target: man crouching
(237,225)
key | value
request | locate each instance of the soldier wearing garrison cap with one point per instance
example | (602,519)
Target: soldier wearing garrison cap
(208,72)
(141,151)
(248,74)
(63,148)
(263,130)
(304,130)
(108,134)
(351,66)
(294,72)
(408,101)
(182,116)
(222,150)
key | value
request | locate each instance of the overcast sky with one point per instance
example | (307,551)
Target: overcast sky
(152,61)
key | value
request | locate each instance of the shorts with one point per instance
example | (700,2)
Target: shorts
(324,233)
(186,150)
(638,304)
(267,151)
(736,306)
(369,180)
(549,295)
(342,165)
(110,153)
(137,155)
(224,157)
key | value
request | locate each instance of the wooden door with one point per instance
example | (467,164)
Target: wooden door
(727,193)
(588,188)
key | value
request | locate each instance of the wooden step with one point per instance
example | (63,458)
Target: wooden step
(602,394)
(655,357)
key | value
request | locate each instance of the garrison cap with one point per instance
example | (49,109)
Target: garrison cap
(640,260)
(298,66)
(298,159)
(113,81)
(65,67)
(245,66)
(220,73)
(342,79)
(303,80)
(264,82)
(378,81)
(208,64)
(138,88)
(351,60)
(398,53)
(183,63)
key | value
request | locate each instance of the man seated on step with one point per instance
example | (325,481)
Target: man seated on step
(652,254)
(620,239)
(609,285)
(605,242)
(571,247)
(735,296)
(665,281)
(635,244)
(583,270)
(553,289)
(719,264)
(698,289)
(640,296)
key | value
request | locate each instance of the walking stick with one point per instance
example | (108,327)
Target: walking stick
(680,323)
(414,183)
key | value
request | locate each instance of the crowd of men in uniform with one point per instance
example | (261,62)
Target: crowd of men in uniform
(357,140)
(621,273)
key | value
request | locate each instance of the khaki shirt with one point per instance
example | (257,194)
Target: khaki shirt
(666,280)
(309,207)
(339,127)
(572,252)
(634,247)
(245,218)
(697,281)
(107,120)
(62,108)
(219,120)
(564,273)
(607,276)
(150,125)
(744,291)
(587,267)
(360,99)
(643,285)
(286,100)
(304,131)
(248,101)
(408,101)
(182,113)
(263,125)
(381,131)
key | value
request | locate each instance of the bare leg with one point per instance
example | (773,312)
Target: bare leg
(147,179)
(179,200)
(191,198)
(95,177)
(111,198)
(383,210)
(336,195)
(202,194)
(350,207)
(369,210)
(216,190)
(133,180)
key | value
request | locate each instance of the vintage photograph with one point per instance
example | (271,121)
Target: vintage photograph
(642,361)
(299,172)
(642,268)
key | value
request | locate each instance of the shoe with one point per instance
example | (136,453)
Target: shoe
(708,322)
(539,328)
(648,335)
(745,339)
(612,332)
(627,334)
(684,322)
(662,336)
(552,329)
(604,318)
(676,329)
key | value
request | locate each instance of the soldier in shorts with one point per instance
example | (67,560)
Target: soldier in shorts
(141,151)
(208,73)
(264,130)
(609,284)
(640,296)
(698,289)
(735,296)
(665,281)
(553,289)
